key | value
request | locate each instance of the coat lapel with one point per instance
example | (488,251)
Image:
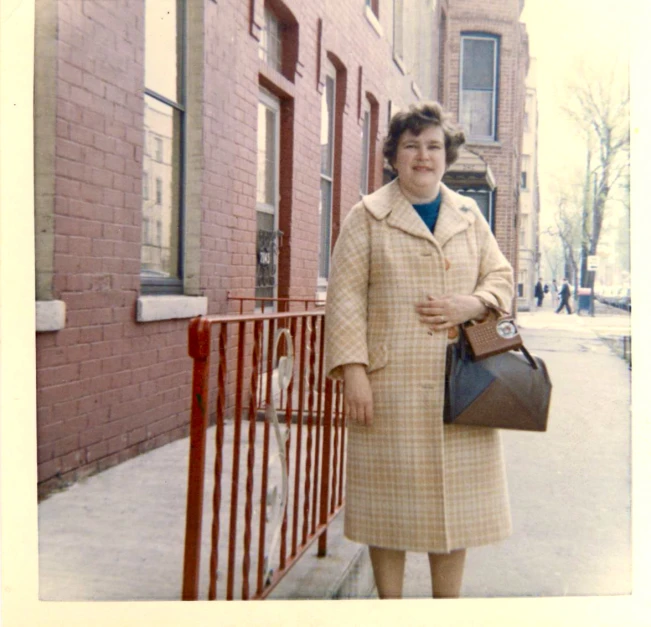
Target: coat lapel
(455,216)
(389,202)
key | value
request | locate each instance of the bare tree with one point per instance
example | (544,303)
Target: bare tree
(598,105)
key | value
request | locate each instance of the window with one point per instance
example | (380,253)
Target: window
(145,186)
(327,171)
(398,27)
(443,34)
(484,199)
(524,223)
(159,190)
(478,101)
(366,149)
(164,119)
(271,41)
(267,195)
(159,149)
(524,172)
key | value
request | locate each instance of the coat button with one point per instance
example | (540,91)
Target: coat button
(453,333)
(447,263)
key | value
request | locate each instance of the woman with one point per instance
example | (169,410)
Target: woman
(414,260)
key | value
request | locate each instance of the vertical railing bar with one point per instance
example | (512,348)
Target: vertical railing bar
(252,416)
(335,447)
(288,424)
(325,465)
(319,420)
(342,453)
(241,342)
(199,350)
(264,484)
(310,424)
(299,434)
(219,446)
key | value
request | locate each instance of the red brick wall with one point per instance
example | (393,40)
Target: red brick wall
(108,386)
(502,19)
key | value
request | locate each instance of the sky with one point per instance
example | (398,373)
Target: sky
(561,34)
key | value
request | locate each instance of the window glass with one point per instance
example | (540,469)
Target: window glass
(271,44)
(478,64)
(162,208)
(161,46)
(160,258)
(327,125)
(479,86)
(327,148)
(267,166)
(398,28)
(366,133)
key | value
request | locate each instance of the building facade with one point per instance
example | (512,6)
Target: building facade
(529,220)
(188,149)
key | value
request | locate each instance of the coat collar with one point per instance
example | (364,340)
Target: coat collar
(455,214)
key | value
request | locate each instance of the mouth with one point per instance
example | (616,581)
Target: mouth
(422,168)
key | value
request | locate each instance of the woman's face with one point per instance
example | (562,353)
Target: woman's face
(420,163)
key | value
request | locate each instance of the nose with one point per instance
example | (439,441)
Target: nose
(422,152)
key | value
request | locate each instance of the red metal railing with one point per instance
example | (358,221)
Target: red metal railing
(278,505)
(281,304)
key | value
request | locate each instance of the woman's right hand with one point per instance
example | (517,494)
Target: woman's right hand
(358,398)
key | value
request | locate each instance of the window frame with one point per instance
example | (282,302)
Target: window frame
(174,285)
(466,36)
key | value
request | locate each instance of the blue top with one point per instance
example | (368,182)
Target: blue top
(429,212)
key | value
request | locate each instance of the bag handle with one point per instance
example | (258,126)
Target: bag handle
(530,359)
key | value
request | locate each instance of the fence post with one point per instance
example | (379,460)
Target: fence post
(199,351)
(325,467)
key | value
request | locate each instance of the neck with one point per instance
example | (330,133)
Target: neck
(418,198)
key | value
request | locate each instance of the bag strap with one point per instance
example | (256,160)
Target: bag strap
(530,359)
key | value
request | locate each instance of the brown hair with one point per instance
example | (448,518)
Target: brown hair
(415,119)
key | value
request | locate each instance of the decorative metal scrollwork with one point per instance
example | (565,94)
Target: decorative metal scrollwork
(266,267)
(277,502)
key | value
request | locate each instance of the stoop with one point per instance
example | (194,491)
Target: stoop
(344,573)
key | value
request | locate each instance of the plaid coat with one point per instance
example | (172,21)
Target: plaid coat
(412,482)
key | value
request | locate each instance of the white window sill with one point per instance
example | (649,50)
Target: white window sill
(373,21)
(152,308)
(483,142)
(50,315)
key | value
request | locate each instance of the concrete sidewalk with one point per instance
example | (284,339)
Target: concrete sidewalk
(119,535)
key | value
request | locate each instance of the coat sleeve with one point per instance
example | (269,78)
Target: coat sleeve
(347,298)
(495,280)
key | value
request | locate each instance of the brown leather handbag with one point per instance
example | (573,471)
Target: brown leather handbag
(501,386)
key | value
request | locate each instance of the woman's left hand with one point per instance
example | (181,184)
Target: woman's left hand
(444,312)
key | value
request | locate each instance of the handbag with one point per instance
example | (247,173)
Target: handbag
(510,389)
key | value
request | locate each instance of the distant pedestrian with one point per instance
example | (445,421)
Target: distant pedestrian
(565,297)
(554,293)
(539,293)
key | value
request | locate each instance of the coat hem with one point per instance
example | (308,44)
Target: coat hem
(412,548)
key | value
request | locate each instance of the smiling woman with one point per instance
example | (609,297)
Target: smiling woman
(412,262)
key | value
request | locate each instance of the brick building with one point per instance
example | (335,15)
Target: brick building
(188,148)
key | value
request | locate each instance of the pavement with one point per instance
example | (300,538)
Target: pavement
(118,535)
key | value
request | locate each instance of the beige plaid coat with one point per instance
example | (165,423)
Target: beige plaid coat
(412,482)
